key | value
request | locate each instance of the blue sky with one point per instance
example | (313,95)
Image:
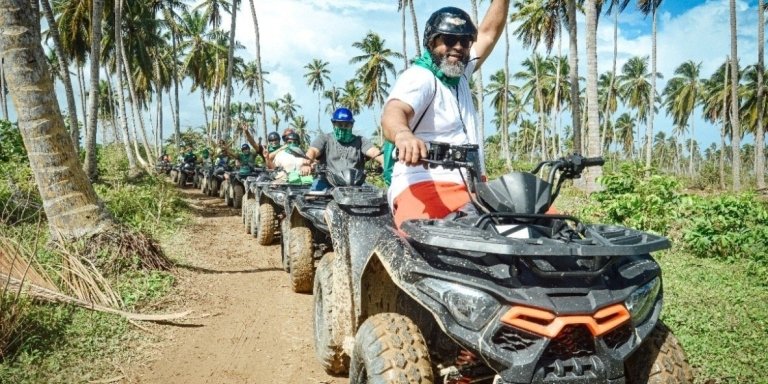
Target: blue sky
(293,32)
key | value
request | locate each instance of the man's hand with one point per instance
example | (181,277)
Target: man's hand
(410,148)
(305,170)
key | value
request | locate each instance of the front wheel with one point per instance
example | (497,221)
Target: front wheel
(267,224)
(285,243)
(659,360)
(328,338)
(238,191)
(300,251)
(389,348)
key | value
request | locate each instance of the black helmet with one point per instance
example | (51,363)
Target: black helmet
(273,136)
(292,136)
(449,21)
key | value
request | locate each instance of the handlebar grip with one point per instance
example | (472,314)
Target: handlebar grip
(593,161)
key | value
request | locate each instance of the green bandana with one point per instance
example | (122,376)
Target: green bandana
(425,61)
(343,135)
(293,145)
(272,148)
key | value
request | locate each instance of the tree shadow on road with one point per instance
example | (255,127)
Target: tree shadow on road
(194,268)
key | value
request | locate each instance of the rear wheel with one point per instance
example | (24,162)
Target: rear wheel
(237,195)
(182,181)
(246,213)
(214,187)
(228,195)
(285,243)
(659,360)
(389,348)
(255,218)
(267,224)
(204,185)
(300,251)
(328,340)
(223,188)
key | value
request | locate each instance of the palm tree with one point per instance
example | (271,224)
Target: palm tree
(352,96)
(63,71)
(650,7)
(635,87)
(614,7)
(317,75)
(259,68)
(274,105)
(760,131)
(501,93)
(93,97)
(593,134)
(230,60)
(735,123)
(288,107)
(716,99)
(373,73)
(625,132)
(70,202)
(573,64)
(683,93)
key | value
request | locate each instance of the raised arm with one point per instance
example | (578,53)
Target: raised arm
(490,29)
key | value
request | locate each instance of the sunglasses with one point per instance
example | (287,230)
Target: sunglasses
(451,40)
(343,125)
(274,141)
(290,141)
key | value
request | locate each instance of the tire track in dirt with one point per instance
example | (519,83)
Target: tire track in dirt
(259,331)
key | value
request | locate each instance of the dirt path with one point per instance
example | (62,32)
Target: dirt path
(259,331)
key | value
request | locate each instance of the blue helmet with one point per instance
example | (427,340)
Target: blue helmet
(342,114)
(245,146)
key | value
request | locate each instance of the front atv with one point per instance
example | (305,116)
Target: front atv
(510,295)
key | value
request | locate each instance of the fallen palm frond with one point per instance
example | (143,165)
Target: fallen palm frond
(45,294)
(120,248)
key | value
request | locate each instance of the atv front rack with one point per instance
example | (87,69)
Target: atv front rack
(590,241)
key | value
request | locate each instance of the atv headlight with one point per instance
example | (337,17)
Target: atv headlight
(470,307)
(641,301)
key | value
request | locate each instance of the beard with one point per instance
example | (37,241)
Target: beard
(450,69)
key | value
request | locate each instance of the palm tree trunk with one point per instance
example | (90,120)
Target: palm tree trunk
(540,97)
(606,113)
(159,108)
(402,23)
(652,112)
(230,64)
(208,126)
(69,201)
(735,124)
(505,110)
(415,28)
(53,31)
(725,117)
(760,131)
(478,77)
(81,84)
(132,166)
(176,122)
(258,65)
(137,111)
(593,140)
(3,100)
(93,97)
(573,63)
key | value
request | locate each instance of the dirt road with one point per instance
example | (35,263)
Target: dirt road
(259,331)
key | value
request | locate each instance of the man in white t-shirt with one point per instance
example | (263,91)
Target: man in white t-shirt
(286,161)
(431,101)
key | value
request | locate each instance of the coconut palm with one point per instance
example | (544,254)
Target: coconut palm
(573,64)
(62,69)
(376,64)
(635,87)
(317,74)
(760,129)
(716,99)
(352,96)
(650,7)
(683,93)
(288,107)
(501,93)
(93,97)
(625,133)
(593,132)
(614,8)
(274,106)
(735,123)
(260,70)
(70,202)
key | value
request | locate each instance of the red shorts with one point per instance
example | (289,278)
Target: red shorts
(429,200)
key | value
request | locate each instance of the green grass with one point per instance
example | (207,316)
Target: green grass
(720,314)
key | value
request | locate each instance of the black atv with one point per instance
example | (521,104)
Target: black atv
(271,198)
(306,236)
(235,186)
(213,178)
(163,167)
(186,173)
(509,294)
(249,201)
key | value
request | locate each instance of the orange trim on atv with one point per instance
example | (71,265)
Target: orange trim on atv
(546,324)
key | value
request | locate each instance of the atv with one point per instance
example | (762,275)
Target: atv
(186,173)
(509,294)
(163,167)
(270,198)
(214,177)
(235,186)
(306,236)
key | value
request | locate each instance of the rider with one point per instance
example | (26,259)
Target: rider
(273,144)
(431,101)
(272,155)
(188,156)
(290,157)
(341,149)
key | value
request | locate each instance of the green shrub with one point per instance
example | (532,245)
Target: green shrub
(630,198)
(728,227)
